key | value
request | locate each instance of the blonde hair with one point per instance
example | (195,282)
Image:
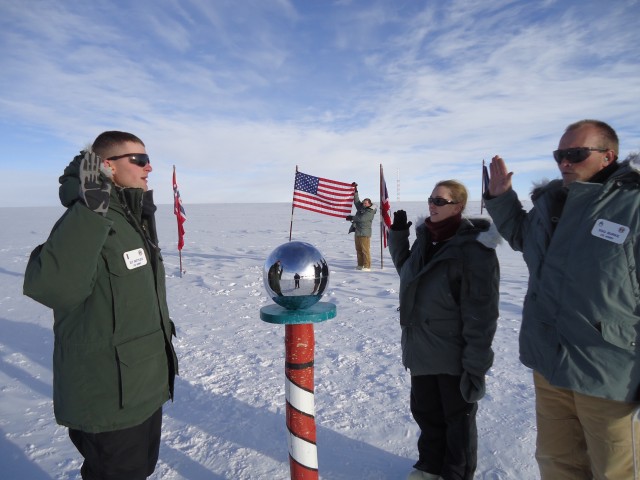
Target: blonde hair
(458,191)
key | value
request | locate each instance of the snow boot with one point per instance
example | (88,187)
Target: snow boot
(421,475)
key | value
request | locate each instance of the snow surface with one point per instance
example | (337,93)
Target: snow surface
(228,417)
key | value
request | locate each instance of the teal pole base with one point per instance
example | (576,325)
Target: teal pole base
(316,313)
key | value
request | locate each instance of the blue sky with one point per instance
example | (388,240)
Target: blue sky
(236,93)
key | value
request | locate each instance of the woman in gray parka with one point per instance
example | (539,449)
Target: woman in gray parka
(448,313)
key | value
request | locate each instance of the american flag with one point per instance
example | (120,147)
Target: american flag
(386,208)
(178,210)
(322,195)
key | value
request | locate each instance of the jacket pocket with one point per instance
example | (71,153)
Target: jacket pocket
(143,369)
(133,297)
(620,334)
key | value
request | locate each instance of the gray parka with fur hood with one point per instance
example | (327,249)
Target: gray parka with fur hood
(581,315)
(449,305)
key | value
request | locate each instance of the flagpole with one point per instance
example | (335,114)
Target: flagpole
(178,223)
(292,203)
(381,220)
(482,189)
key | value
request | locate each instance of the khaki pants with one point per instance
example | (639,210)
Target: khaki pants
(582,437)
(363,251)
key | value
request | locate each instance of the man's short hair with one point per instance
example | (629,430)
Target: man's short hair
(106,141)
(609,136)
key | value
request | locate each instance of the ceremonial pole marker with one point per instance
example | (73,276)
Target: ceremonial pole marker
(295,276)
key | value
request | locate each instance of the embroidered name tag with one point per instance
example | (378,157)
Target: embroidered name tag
(135,258)
(613,232)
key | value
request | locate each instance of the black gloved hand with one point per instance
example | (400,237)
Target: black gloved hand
(95,188)
(472,387)
(349,218)
(400,221)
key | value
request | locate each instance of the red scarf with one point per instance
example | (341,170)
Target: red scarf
(444,230)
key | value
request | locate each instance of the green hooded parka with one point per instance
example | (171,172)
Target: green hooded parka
(103,276)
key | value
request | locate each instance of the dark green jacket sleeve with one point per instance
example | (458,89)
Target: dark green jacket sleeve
(61,272)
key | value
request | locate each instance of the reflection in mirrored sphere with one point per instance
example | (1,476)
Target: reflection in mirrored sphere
(295,275)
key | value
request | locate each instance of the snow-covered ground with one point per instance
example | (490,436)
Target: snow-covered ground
(228,417)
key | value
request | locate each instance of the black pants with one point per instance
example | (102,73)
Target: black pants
(128,454)
(448,443)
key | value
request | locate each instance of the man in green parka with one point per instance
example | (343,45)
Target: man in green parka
(102,274)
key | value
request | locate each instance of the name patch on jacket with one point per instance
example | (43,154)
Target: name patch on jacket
(613,232)
(135,258)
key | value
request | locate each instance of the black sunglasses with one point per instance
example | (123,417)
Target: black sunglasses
(139,159)
(575,155)
(440,202)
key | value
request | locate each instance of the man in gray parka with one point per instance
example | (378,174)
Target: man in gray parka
(361,225)
(581,315)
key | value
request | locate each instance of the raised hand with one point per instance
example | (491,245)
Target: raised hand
(400,221)
(95,187)
(500,179)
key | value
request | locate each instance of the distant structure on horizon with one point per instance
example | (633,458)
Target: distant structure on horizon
(398,187)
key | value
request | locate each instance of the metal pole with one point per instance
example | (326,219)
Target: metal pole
(635,438)
(177,214)
(485,184)
(381,220)
(292,204)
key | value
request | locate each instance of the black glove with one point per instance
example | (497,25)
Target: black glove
(95,188)
(472,387)
(349,218)
(400,221)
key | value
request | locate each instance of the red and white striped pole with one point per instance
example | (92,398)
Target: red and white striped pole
(299,372)
(301,423)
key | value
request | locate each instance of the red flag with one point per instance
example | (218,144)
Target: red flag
(178,211)
(322,195)
(386,208)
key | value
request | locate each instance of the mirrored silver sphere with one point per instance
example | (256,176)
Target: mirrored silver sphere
(295,275)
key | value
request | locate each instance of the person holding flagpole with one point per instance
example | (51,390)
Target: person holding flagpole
(361,226)
(102,274)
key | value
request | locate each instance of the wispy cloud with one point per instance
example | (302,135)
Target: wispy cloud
(236,94)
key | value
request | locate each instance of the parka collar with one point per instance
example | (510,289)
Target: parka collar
(477,229)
